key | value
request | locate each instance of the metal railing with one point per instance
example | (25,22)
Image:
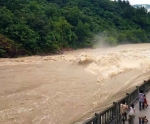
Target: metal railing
(112,114)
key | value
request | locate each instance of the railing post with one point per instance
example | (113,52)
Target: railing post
(145,86)
(115,104)
(138,89)
(129,99)
(148,83)
(98,118)
(115,112)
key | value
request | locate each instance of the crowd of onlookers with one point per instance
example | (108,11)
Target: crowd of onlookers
(130,110)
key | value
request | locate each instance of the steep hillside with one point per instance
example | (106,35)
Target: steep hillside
(49,26)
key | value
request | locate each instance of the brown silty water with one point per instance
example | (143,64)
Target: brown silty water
(68,88)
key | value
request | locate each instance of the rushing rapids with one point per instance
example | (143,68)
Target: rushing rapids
(61,89)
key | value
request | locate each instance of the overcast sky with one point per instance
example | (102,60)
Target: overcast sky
(139,2)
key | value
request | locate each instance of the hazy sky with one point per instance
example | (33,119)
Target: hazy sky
(139,2)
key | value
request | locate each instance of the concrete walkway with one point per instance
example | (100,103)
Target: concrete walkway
(142,113)
(138,113)
(145,112)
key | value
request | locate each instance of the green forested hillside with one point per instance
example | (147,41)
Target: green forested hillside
(48,26)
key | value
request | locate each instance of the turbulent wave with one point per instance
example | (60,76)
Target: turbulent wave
(49,89)
(110,64)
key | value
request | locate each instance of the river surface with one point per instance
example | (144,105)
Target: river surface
(68,88)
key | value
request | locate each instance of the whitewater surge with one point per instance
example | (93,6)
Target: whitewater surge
(105,64)
(111,64)
(49,89)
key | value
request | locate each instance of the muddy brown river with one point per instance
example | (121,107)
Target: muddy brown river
(68,88)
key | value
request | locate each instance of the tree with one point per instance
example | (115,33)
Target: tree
(43,26)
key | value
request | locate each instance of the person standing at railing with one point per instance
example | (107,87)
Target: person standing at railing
(141,100)
(123,110)
(131,114)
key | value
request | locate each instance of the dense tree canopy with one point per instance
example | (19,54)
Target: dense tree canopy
(47,26)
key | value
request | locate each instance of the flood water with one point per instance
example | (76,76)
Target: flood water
(68,88)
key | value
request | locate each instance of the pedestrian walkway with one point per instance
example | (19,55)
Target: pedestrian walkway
(145,112)
(112,114)
(142,113)
(138,113)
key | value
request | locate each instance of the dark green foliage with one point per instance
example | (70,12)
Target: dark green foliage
(9,48)
(48,26)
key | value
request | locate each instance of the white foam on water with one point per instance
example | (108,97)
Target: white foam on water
(111,64)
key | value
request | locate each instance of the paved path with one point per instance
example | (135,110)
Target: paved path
(145,112)
(138,113)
